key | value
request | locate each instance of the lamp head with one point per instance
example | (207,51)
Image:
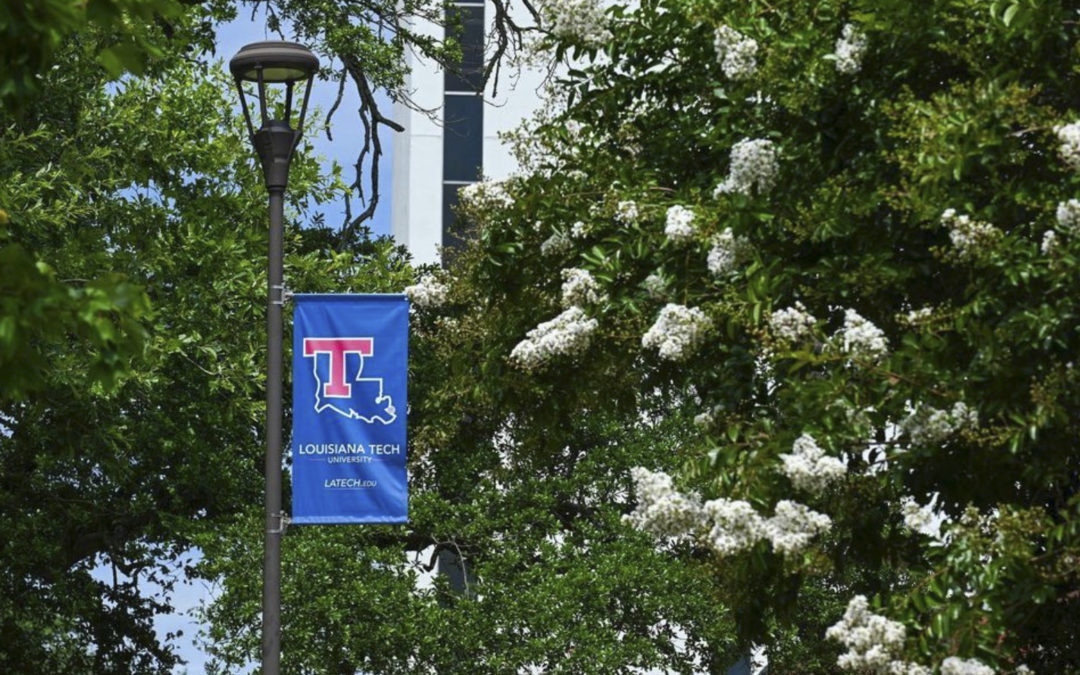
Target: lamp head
(280,62)
(274,63)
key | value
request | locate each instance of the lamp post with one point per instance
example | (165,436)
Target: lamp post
(279,64)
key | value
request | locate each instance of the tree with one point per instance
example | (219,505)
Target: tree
(144,198)
(550,585)
(132,242)
(34,34)
(560,583)
(840,237)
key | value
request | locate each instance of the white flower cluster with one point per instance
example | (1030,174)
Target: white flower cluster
(809,468)
(566,335)
(917,316)
(736,53)
(579,230)
(754,163)
(679,226)
(677,332)
(1069,135)
(556,244)
(873,642)
(1049,242)
(579,288)
(916,518)
(792,324)
(706,419)
(861,338)
(661,510)
(850,47)
(428,292)
(726,253)
(736,526)
(655,286)
(486,194)
(927,425)
(578,21)
(793,525)
(626,212)
(969,237)
(954,665)
(1068,216)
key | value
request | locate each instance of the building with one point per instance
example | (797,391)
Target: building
(438,154)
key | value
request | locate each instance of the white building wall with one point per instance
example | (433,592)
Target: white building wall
(416,175)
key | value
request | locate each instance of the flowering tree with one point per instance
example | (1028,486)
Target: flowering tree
(840,237)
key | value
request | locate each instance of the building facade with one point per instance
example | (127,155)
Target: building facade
(439,153)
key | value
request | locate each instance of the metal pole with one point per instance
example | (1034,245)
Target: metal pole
(271,620)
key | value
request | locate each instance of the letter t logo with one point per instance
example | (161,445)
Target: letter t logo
(337,348)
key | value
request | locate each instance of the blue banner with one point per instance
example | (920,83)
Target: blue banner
(350,355)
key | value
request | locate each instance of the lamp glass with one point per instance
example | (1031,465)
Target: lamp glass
(273,74)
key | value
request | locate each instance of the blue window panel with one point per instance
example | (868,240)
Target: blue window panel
(466,25)
(463,141)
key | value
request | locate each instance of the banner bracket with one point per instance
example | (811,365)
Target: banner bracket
(282,524)
(284,294)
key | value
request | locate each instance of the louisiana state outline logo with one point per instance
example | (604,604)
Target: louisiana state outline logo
(337,363)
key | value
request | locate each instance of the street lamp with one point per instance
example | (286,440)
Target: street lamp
(274,63)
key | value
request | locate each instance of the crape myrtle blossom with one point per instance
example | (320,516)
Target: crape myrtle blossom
(850,47)
(579,230)
(568,334)
(917,518)
(1049,242)
(579,288)
(577,21)
(1068,216)
(753,165)
(737,526)
(969,237)
(428,292)
(556,244)
(679,225)
(954,665)
(928,426)
(809,468)
(655,286)
(792,324)
(1069,135)
(661,510)
(677,332)
(726,253)
(485,195)
(707,419)
(626,212)
(860,338)
(736,53)
(733,525)
(704,420)
(793,525)
(916,316)
(874,643)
